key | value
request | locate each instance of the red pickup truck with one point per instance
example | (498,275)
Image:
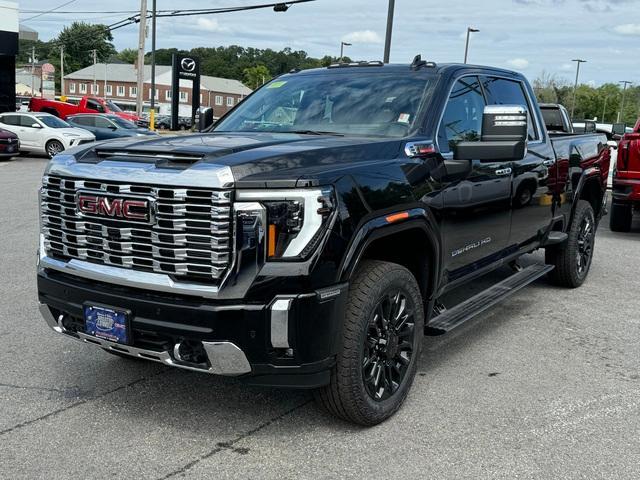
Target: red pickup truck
(86,105)
(626,182)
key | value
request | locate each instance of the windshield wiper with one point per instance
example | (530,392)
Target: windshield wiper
(314,132)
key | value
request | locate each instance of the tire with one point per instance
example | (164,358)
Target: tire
(53,147)
(620,217)
(378,290)
(573,258)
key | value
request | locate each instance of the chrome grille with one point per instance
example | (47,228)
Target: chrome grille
(190,238)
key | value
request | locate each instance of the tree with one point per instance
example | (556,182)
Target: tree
(256,76)
(128,55)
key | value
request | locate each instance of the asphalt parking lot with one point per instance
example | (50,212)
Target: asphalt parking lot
(545,385)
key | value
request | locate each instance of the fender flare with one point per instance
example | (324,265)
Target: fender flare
(379,227)
(588,175)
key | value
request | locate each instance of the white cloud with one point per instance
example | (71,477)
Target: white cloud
(519,63)
(628,29)
(567,66)
(209,24)
(363,36)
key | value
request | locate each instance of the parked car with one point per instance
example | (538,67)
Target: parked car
(626,182)
(107,126)
(43,132)
(312,250)
(9,144)
(86,105)
(163,122)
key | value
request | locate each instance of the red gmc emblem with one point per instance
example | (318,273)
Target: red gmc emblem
(103,206)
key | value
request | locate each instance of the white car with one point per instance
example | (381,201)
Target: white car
(43,132)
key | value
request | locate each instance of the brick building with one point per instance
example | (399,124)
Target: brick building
(118,82)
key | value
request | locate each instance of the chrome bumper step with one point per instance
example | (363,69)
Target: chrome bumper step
(224,358)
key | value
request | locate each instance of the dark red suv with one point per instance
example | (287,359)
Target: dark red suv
(626,182)
(9,144)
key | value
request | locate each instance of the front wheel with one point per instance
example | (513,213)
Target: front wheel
(380,347)
(53,148)
(573,258)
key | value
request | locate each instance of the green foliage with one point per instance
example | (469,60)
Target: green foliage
(602,103)
(256,76)
(128,55)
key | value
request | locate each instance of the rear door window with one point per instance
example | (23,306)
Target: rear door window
(501,91)
(462,118)
(84,121)
(10,120)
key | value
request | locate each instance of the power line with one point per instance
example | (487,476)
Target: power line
(49,11)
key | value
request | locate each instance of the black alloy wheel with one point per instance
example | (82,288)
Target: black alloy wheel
(388,346)
(585,245)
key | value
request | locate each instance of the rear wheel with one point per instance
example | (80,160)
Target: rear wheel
(380,348)
(620,217)
(573,258)
(53,148)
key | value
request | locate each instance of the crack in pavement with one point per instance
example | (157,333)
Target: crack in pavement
(41,389)
(228,445)
(76,404)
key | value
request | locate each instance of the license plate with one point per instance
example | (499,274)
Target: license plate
(106,323)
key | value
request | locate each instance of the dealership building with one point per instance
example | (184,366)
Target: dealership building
(118,82)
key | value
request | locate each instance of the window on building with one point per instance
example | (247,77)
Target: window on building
(109,90)
(133,91)
(184,97)
(229,101)
(83,88)
(120,90)
(200,99)
(218,99)
(156,96)
(167,95)
(95,89)
(72,88)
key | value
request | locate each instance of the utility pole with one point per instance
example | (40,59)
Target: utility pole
(152,113)
(624,92)
(604,108)
(342,45)
(95,86)
(62,69)
(575,86)
(33,70)
(104,92)
(140,79)
(466,47)
(387,40)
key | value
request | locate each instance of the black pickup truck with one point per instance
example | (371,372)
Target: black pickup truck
(308,238)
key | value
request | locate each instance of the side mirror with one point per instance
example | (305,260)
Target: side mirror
(613,144)
(36,125)
(205,118)
(619,128)
(503,138)
(113,127)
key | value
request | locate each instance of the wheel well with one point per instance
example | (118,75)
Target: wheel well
(411,249)
(592,193)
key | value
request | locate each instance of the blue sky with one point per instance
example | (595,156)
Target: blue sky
(525,35)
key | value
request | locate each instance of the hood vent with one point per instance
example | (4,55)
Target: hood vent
(151,156)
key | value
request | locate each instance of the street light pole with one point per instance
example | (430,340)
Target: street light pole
(624,92)
(152,113)
(466,47)
(575,86)
(95,58)
(62,70)
(342,45)
(387,40)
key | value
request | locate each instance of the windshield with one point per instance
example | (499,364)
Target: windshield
(53,122)
(112,106)
(122,123)
(354,103)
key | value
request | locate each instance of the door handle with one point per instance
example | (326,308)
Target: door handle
(549,162)
(503,172)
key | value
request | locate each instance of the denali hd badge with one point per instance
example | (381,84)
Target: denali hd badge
(136,209)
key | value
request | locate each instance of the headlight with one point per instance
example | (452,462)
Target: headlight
(296,219)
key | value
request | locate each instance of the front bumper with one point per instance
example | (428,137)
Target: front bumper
(290,341)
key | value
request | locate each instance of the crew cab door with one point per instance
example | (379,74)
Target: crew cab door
(531,204)
(476,194)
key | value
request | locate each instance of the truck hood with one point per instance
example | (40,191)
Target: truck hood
(255,159)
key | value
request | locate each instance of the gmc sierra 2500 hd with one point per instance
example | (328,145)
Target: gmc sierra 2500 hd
(306,240)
